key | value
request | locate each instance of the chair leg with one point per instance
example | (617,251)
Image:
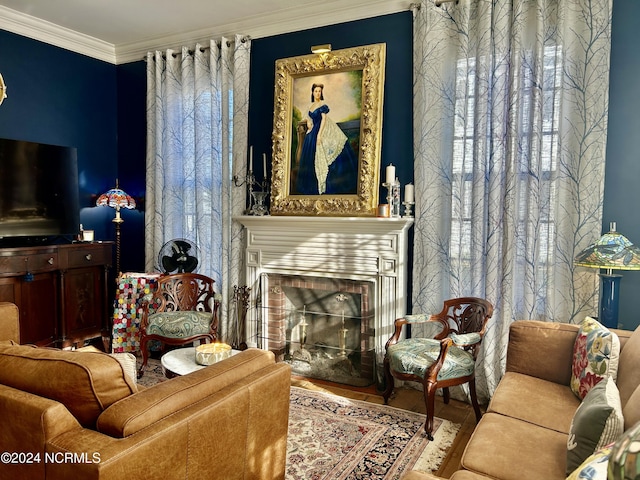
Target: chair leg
(474,399)
(145,356)
(446,395)
(389,381)
(430,402)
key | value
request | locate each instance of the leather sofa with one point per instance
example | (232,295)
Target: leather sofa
(523,434)
(70,414)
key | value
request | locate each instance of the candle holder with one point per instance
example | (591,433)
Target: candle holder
(259,208)
(257,195)
(393,198)
(408,206)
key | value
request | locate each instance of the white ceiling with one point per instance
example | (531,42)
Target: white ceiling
(120,31)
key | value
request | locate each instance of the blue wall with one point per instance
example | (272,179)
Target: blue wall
(62,98)
(622,176)
(132,136)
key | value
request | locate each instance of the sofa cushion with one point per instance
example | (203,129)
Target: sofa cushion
(631,410)
(166,398)
(179,324)
(629,374)
(511,449)
(595,356)
(594,467)
(596,423)
(86,383)
(547,404)
(542,349)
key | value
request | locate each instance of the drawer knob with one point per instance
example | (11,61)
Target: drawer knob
(50,261)
(88,257)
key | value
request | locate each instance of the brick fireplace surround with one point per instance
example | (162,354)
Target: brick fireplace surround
(364,249)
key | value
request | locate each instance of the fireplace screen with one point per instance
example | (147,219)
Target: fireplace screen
(324,328)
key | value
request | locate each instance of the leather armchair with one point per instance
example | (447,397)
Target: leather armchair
(80,415)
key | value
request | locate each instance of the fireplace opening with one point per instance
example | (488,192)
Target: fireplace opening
(324,328)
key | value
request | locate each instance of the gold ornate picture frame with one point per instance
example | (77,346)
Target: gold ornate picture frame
(318,169)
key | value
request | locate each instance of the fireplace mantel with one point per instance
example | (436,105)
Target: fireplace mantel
(357,248)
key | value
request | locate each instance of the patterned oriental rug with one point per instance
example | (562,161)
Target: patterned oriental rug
(336,438)
(332,437)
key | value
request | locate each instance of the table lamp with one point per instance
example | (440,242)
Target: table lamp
(116,198)
(613,251)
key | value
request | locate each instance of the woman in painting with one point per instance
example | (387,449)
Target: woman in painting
(328,164)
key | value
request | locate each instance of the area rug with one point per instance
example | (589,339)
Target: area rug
(332,437)
(335,438)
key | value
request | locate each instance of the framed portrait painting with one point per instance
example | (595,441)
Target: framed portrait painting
(327,132)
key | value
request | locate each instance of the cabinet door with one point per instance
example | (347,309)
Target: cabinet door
(39,314)
(37,303)
(83,315)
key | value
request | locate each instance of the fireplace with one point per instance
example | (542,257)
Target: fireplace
(323,327)
(325,292)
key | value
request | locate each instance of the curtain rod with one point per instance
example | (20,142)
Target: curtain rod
(416,6)
(204,49)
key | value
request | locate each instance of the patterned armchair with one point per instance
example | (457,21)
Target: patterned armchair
(183,309)
(444,359)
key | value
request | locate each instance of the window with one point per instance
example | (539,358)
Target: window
(482,152)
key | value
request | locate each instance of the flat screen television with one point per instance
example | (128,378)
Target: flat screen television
(38,192)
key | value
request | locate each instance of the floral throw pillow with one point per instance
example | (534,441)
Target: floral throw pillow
(594,467)
(595,356)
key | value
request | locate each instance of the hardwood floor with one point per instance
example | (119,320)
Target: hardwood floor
(410,399)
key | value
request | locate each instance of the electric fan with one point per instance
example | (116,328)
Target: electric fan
(178,256)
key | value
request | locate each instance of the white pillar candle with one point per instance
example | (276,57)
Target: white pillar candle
(251,158)
(408,192)
(391,173)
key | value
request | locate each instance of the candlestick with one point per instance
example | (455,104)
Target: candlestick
(393,197)
(408,213)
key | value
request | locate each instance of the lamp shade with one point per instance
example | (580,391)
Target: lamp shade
(612,251)
(116,198)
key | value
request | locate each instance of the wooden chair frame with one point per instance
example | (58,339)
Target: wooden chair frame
(460,316)
(179,292)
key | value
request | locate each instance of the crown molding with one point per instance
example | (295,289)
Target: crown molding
(290,20)
(278,23)
(47,32)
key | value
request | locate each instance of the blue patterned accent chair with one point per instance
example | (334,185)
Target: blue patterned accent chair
(444,356)
(182,310)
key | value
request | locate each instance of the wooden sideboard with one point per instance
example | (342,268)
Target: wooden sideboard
(60,290)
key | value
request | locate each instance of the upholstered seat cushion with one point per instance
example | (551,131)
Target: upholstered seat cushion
(179,324)
(415,356)
(86,383)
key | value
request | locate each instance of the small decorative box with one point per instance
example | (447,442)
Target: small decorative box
(210,353)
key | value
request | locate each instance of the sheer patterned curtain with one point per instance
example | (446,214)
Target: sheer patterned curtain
(197,117)
(510,122)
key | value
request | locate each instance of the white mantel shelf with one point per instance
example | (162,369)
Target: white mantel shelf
(359,248)
(333,223)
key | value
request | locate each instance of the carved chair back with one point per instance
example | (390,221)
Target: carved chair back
(184,291)
(465,315)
